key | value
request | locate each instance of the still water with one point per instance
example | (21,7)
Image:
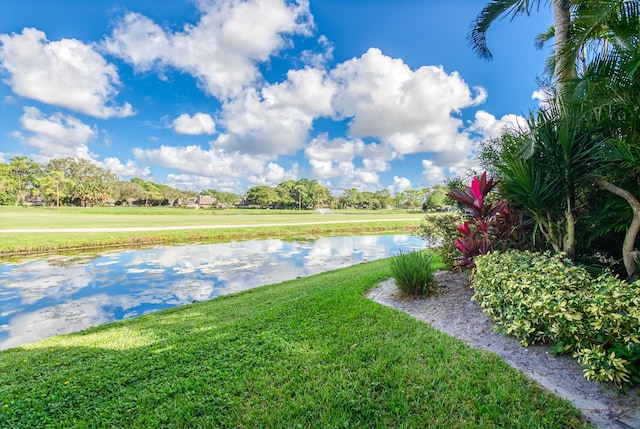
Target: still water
(61,294)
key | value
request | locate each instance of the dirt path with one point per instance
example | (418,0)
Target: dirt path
(454,313)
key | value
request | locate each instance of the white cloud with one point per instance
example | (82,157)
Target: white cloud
(432,174)
(56,136)
(338,150)
(323,169)
(544,97)
(64,73)
(488,127)
(208,163)
(409,110)
(195,182)
(129,169)
(436,171)
(319,57)
(400,184)
(222,49)
(375,165)
(358,177)
(277,119)
(200,123)
(274,174)
(338,159)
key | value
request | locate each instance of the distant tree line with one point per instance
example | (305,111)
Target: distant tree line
(79,182)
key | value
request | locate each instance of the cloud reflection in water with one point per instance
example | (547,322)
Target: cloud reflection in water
(41,298)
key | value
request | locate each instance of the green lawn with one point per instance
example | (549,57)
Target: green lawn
(205,225)
(79,217)
(306,353)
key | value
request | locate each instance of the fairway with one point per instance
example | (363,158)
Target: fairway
(122,217)
(37,230)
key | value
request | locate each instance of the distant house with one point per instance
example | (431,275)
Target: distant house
(204,201)
(34,200)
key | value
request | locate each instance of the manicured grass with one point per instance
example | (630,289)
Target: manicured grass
(306,353)
(78,217)
(283,224)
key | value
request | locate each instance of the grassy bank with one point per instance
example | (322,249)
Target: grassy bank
(12,245)
(306,353)
(207,226)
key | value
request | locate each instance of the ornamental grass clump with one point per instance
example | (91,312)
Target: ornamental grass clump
(414,272)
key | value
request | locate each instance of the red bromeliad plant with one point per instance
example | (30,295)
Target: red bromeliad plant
(487,220)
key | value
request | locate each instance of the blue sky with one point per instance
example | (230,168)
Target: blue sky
(229,94)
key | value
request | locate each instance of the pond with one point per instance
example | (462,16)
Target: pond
(61,294)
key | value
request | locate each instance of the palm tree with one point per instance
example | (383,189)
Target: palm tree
(497,8)
(610,89)
(544,168)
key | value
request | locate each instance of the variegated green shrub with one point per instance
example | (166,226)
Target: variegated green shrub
(543,298)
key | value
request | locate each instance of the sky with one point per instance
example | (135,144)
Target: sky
(230,94)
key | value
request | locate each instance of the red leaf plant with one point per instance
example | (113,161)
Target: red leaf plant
(486,220)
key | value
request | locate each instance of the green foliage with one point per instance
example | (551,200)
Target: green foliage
(414,272)
(487,222)
(542,298)
(441,229)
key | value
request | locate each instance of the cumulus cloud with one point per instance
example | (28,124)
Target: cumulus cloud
(353,177)
(64,73)
(337,150)
(488,126)
(274,174)
(544,96)
(432,174)
(319,57)
(200,123)
(412,111)
(196,161)
(55,136)
(128,169)
(196,182)
(336,158)
(276,120)
(222,49)
(400,184)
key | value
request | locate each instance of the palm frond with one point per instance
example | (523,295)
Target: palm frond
(542,38)
(491,12)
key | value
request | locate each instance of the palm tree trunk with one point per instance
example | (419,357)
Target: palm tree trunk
(569,242)
(634,228)
(561,21)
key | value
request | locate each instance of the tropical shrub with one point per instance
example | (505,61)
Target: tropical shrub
(440,230)
(487,220)
(414,272)
(542,298)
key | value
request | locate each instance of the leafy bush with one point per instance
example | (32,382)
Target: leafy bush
(542,298)
(414,272)
(440,229)
(488,221)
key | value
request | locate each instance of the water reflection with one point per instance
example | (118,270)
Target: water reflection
(65,294)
